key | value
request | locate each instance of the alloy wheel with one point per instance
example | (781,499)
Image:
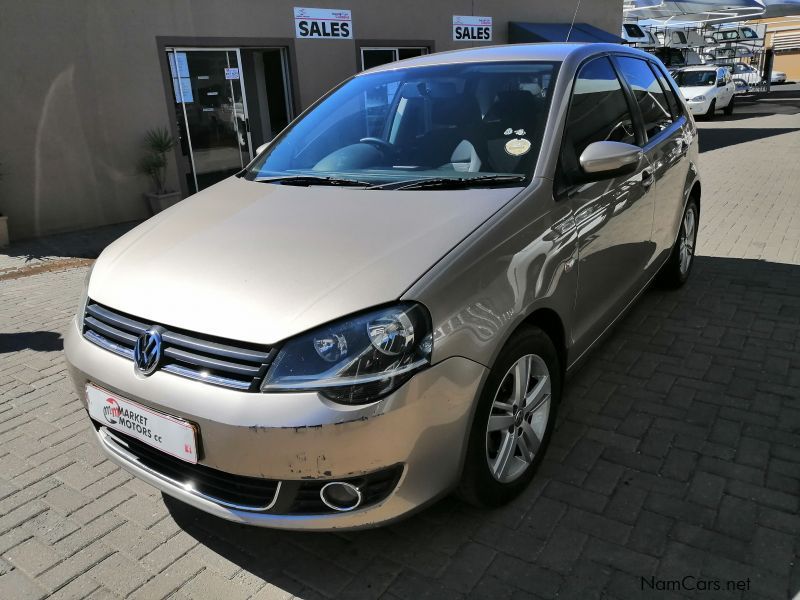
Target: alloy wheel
(687,241)
(518,418)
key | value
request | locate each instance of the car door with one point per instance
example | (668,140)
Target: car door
(724,91)
(667,134)
(729,85)
(614,217)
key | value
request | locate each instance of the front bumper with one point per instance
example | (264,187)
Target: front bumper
(700,107)
(293,437)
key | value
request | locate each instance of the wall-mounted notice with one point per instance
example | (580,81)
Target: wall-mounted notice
(472,29)
(231,73)
(323,23)
(181,82)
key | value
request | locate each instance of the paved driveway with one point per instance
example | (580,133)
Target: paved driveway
(676,459)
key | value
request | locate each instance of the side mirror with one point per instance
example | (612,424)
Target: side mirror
(720,83)
(262,147)
(604,160)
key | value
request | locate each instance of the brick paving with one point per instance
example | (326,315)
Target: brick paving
(677,451)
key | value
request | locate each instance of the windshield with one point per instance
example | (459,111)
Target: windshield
(695,78)
(465,121)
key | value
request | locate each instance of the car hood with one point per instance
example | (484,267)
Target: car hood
(260,262)
(696,90)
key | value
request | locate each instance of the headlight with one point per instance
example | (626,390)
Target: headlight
(356,360)
(699,99)
(84,298)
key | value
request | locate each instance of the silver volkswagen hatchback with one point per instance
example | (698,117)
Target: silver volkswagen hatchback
(383,306)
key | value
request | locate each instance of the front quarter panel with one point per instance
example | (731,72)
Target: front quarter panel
(522,259)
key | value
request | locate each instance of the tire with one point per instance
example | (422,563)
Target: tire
(675,272)
(488,486)
(729,109)
(711,110)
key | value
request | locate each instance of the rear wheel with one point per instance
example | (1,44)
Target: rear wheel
(676,270)
(513,420)
(729,109)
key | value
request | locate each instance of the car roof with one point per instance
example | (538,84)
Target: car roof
(556,52)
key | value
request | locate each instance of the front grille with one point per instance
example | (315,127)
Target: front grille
(298,497)
(211,360)
(238,491)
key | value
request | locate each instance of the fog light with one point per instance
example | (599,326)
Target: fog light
(340,496)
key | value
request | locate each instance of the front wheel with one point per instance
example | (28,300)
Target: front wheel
(676,270)
(711,110)
(513,420)
(729,109)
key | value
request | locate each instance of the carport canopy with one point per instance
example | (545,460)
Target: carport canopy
(521,33)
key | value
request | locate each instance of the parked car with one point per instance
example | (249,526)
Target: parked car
(369,317)
(707,89)
(747,73)
(778,77)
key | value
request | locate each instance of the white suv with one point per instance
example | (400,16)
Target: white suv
(707,89)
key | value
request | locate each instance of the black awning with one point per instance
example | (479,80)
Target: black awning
(521,33)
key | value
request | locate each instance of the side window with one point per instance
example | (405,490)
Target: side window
(669,91)
(598,111)
(648,93)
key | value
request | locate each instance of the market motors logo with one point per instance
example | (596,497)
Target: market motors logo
(111,411)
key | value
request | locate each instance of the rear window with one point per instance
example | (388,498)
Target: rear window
(648,94)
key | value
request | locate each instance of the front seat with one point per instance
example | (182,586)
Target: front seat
(448,144)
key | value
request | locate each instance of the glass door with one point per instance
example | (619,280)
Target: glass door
(211,112)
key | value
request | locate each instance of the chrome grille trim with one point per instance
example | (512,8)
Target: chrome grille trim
(118,446)
(203,359)
(176,369)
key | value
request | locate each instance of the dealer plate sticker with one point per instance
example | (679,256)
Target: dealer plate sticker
(168,434)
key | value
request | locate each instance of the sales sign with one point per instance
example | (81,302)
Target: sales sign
(323,23)
(472,29)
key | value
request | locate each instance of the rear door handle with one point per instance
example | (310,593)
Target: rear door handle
(647,178)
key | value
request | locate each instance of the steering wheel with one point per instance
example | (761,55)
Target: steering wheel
(379,143)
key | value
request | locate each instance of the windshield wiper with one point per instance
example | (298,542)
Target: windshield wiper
(458,182)
(313,180)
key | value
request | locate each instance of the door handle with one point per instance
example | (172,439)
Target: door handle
(647,178)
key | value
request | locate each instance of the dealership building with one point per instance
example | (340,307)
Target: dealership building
(83,81)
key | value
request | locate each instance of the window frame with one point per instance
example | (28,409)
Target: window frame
(638,113)
(394,45)
(562,185)
(672,88)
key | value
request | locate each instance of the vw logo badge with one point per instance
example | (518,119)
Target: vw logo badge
(147,352)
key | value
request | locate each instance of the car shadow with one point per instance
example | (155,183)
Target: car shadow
(41,341)
(638,422)
(711,138)
(78,244)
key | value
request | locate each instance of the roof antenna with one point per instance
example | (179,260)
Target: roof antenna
(571,25)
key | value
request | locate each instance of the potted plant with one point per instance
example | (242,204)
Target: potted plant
(4,240)
(158,142)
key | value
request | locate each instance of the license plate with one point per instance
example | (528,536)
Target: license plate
(171,435)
